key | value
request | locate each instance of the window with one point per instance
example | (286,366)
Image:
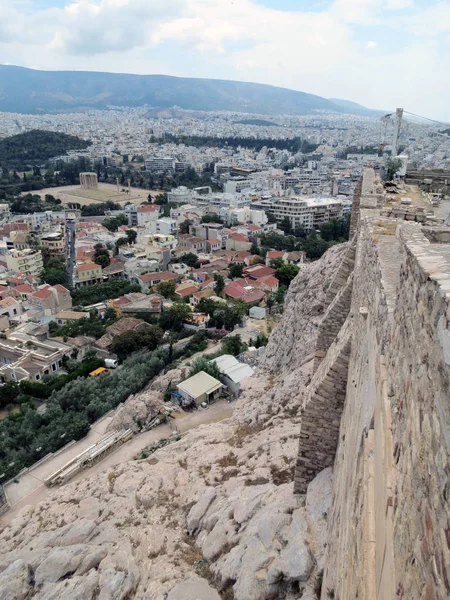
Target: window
(46,372)
(37,376)
(60,363)
(53,367)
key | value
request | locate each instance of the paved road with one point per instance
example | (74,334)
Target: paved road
(32,490)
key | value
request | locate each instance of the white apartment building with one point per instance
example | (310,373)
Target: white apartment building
(147,213)
(25,261)
(235,186)
(187,211)
(181,195)
(306,212)
(156,164)
(165,226)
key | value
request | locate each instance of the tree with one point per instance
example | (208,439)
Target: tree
(54,271)
(10,393)
(276,263)
(161,198)
(131,235)
(190,259)
(233,344)
(286,273)
(166,288)
(392,166)
(255,248)
(280,293)
(113,223)
(219,285)
(271,217)
(285,225)
(33,242)
(101,256)
(122,241)
(270,301)
(203,364)
(314,246)
(233,314)
(184,226)
(236,270)
(131,341)
(173,317)
(210,219)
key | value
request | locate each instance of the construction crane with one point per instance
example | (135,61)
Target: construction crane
(398,124)
(383,131)
(385,119)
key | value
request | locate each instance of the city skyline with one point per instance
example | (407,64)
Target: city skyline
(360,50)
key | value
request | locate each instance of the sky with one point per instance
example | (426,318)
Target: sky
(381,53)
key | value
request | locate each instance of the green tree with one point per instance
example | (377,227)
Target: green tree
(184,226)
(122,241)
(236,270)
(280,293)
(219,285)
(255,248)
(233,344)
(210,219)
(166,288)
(286,273)
(113,223)
(270,301)
(131,341)
(131,236)
(392,166)
(101,256)
(285,225)
(190,259)
(203,364)
(173,317)
(33,242)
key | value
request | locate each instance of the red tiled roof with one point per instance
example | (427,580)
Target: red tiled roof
(186,292)
(239,237)
(275,254)
(257,271)
(61,288)
(87,266)
(269,280)
(24,288)
(148,208)
(160,275)
(45,293)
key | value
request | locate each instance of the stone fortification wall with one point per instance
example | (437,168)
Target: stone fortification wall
(389,525)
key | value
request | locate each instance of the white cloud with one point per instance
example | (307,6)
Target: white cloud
(321,51)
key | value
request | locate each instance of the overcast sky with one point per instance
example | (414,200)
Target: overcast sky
(381,53)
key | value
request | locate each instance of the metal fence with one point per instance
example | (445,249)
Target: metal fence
(4,504)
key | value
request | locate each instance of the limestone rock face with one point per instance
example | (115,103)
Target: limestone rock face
(295,337)
(137,411)
(212,511)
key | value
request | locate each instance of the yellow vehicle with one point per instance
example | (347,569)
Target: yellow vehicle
(99,371)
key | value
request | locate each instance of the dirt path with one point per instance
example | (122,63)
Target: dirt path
(219,411)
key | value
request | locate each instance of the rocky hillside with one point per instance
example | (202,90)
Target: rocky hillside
(210,516)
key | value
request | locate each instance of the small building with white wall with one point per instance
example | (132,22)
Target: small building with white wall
(233,372)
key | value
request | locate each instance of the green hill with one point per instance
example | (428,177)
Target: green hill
(36,147)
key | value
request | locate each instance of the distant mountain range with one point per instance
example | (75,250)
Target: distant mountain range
(31,91)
